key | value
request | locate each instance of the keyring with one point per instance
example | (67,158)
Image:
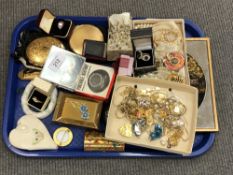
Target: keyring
(41,114)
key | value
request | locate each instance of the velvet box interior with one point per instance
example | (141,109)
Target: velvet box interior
(143,50)
(51,25)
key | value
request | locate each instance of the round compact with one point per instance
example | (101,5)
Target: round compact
(98,80)
(37,51)
(83,32)
(63,136)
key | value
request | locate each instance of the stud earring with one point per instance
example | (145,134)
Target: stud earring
(60,25)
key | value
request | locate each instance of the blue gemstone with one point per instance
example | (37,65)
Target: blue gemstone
(157,133)
(85,116)
(83,108)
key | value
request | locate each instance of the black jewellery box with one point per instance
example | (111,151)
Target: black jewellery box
(40,95)
(94,50)
(143,50)
(38,100)
(48,22)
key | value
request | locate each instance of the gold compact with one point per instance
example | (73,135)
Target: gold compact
(84,32)
(37,50)
(95,141)
(77,110)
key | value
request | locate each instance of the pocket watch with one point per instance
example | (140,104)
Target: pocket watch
(38,50)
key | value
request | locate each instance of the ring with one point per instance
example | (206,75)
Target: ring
(144,56)
(42,114)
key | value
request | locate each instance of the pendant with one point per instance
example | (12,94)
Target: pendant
(157,132)
(139,126)
(126,130)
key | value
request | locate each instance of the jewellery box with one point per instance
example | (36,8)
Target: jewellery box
(60,28)
(40,95)
(81,33)
(201,77)
(125,65)
(94,50)
(118,125)
(72,72)
(77,110)
(95,141)
(143,50)
(169,43)
(119,26)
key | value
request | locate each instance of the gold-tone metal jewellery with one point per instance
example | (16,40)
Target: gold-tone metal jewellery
(163,32)
(166,36)
(163,74)
(156,112)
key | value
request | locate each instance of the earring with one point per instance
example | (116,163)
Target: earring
(60,24)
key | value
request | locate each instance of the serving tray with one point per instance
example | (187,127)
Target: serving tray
(13,110)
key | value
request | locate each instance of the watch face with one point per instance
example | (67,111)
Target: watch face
(37,51)
(98,80)
(197,77)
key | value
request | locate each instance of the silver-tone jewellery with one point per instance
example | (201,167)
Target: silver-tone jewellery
(144,56)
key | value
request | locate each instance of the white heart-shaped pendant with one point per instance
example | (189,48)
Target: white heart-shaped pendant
(31,134)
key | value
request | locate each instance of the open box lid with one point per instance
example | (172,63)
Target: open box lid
(45,20)
(187,94)
(142,38)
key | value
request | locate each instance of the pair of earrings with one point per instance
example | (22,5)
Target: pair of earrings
(84,112)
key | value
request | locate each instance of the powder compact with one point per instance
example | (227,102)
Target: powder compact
(84,32)
(37,51)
